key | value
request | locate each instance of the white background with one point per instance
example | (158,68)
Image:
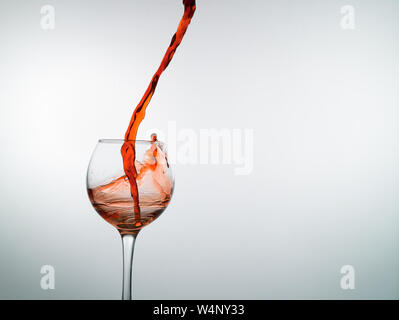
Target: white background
(323,104)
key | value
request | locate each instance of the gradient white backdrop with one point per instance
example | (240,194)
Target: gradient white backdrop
(322,101)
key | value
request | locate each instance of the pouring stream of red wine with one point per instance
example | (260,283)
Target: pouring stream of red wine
(128,149)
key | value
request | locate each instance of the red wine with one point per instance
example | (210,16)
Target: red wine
(113,201)
(128,149)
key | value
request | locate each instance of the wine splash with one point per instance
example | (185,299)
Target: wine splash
(128,149)
(113,200)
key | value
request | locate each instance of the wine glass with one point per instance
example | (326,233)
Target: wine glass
(109,192)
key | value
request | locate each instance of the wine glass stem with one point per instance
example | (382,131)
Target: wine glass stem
(128,241)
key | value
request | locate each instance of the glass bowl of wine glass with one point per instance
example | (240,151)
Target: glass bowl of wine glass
(129,202)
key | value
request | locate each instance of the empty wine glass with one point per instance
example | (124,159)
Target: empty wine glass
(109,192)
